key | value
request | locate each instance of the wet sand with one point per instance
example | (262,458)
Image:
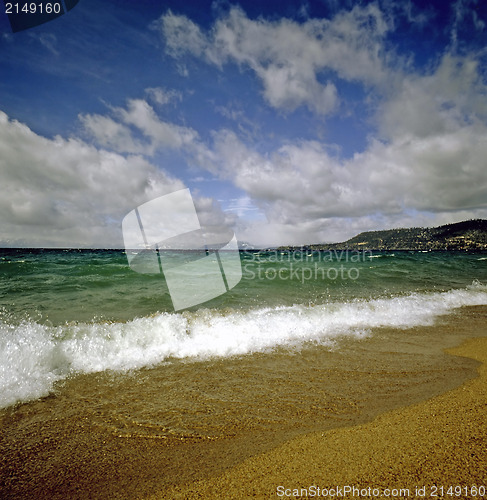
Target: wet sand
(440,443)
(369,412)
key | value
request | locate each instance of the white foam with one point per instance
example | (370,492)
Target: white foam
(33,357)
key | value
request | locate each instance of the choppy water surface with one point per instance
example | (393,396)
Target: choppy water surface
(66,312)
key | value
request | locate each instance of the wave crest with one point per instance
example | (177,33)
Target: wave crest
(33,357)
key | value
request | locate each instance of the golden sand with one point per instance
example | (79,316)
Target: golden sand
(80,441)
(439,443)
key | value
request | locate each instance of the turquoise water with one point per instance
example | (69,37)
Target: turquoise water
(83,311)
(58,286)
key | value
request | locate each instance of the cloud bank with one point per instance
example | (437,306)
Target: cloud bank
(426,161)
(423,161)
(67,193)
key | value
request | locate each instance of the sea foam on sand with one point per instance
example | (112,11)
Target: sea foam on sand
(34,356)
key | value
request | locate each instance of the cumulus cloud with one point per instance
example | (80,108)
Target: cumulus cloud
(64,192)
(113,135)
(303,188)
(138,118)
(450,97)
(425,163)
(183,35)
(290,59)
(67,193)
(142,116)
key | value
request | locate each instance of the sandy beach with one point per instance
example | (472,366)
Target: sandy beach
(435,445)
(389,411)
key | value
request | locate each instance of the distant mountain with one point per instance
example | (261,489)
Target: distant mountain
(468,235)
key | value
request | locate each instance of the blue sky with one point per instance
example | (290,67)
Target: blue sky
(291,122)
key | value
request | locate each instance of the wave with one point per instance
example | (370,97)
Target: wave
(33,357)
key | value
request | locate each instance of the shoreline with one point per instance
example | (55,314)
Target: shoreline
(437,443)
(106,436)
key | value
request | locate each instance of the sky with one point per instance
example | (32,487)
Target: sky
(291,122)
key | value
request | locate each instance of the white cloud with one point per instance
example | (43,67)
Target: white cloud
(426,164)
(182,35)
(414,15)
(162,95)
(477,22)
(138,118)
(241,205)
(303,189)
(289,58)
(209,211)
(113,135)
(162,134)
(68,193)
(447,99)
(462,12)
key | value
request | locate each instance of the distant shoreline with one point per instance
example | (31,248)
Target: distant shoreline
(466,236)
(470,236)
